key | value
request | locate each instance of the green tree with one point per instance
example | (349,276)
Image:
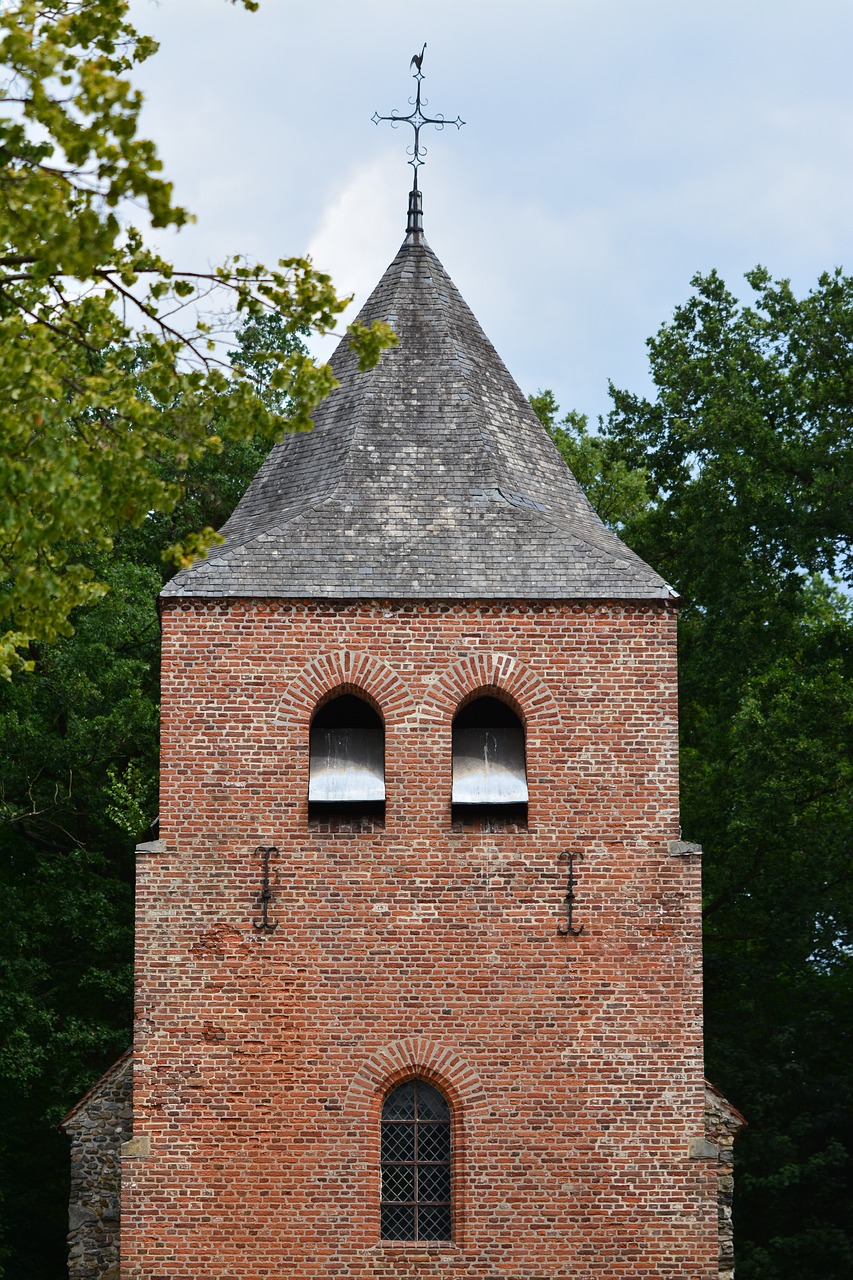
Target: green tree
(66,881)
(84,425)
(617,491)
(79,764)
(747,449)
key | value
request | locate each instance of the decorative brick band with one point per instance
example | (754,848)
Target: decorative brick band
(485,672)
(415,1057)
(347,671)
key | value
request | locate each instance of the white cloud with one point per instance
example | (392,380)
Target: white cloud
(362,221)
(359,231)
(612,150)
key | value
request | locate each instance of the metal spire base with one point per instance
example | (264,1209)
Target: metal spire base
(415,219)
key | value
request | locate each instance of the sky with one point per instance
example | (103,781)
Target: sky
(611,150)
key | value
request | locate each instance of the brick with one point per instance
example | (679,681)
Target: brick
(411,945)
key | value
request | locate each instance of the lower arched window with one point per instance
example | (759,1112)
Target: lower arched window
(416,1163)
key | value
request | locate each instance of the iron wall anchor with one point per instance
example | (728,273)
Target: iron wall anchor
(265,924)
(566,925)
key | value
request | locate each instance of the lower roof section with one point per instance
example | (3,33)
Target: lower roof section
(494,549)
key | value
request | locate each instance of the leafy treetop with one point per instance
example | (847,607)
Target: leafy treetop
(85,425)
(746,447)
(617,491)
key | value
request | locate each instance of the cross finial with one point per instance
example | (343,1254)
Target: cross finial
(417,152)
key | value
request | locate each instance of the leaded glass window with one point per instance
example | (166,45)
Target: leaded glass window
(415,1163)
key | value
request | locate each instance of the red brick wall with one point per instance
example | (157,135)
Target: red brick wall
(573,1065)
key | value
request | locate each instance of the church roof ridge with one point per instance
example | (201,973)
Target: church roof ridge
(429,476)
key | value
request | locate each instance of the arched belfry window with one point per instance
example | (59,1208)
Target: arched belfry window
(416,1163)
(347,754)
(488,755)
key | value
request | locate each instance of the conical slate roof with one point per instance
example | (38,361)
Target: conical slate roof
(427,477)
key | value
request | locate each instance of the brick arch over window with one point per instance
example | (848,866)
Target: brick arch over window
(495,673)
(346,671)
(404,1059)
(373,1081)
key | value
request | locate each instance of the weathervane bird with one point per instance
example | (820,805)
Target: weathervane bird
(417,58)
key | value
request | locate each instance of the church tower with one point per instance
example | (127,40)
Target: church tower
(419,947)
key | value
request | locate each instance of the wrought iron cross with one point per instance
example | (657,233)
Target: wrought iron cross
(417,120)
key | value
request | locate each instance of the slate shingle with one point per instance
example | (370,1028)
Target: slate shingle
(427,477)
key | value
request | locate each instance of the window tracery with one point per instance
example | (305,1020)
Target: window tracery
(415,1163)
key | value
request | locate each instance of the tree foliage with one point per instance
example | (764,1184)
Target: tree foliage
(618,492)
(747,450)
(79,764)
(84,425)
